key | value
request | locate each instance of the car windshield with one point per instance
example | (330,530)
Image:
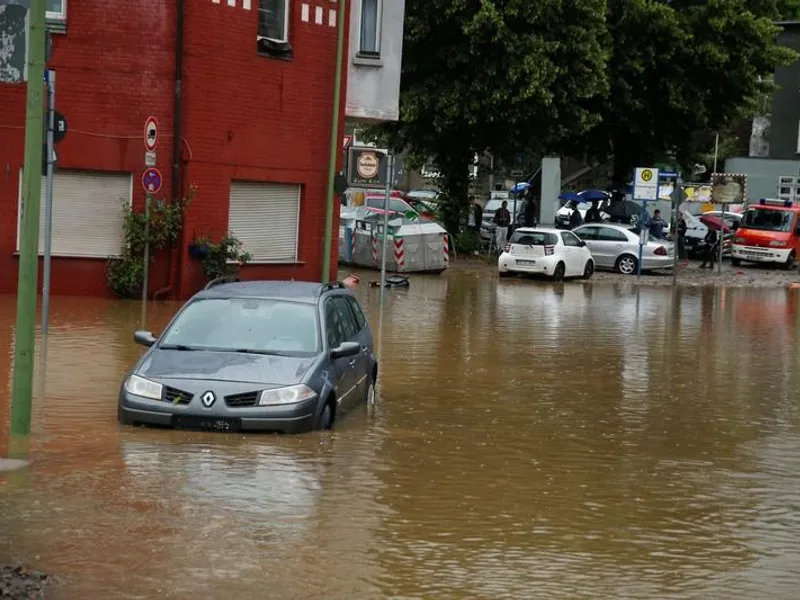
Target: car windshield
(245,325)
(768,220)
(399,206)
(533,238)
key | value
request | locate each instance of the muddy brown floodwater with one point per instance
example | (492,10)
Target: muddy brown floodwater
(529,441)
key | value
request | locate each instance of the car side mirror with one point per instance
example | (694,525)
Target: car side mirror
(583,244)
(345,350)
(797,231)
(144,338)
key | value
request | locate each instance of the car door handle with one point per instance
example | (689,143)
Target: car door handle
(353,364)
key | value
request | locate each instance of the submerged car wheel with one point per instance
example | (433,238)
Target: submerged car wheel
(626,264)
(588,270)
(558,274)
(326,417)
(369,397)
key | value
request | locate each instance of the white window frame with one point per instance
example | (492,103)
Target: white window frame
(378,31)
(19,221)
(287,16)
(58,16)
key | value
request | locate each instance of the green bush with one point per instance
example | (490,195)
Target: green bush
(468,242)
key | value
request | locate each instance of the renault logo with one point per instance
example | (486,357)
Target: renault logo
(208,399)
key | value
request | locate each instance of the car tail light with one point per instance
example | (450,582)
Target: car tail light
(661,251)
(508,247)
(549,250)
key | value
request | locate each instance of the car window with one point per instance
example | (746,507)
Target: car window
(395,205)
(608,234)
(230,324)
(533,238)
(569,239)
(346,317)
(587,233)
(334,327)
(358,314)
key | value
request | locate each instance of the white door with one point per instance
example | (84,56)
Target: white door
(574,254)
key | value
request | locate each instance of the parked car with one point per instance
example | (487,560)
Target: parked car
(274,356)
(768,233)
(491,206)
(617,247)
(545,251)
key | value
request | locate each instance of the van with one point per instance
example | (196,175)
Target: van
(769,232)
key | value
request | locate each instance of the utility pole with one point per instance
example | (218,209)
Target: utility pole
(336,145)
(27,283)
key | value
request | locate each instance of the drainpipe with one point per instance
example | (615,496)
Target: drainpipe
(177,112)
(336,145)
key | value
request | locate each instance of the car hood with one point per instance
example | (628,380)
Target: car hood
(762,236)
(225,366)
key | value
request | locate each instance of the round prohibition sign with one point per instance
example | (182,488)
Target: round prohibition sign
(647,175)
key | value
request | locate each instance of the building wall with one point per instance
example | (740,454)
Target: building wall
(373,85)
(785,123)
(255,118)
(109,79)
(245,116)
(762,174)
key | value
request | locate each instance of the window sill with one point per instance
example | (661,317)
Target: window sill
(74,256)
(56,24)
(368,60)
(280,263)
(269,48)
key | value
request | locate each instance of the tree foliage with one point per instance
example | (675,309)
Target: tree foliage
(630,80)
(509,75)
(678,69)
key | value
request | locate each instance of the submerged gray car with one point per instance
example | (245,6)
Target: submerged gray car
(266,356)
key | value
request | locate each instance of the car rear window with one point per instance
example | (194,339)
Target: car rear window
(230,324)
(534,238)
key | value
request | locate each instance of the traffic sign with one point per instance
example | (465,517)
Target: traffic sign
(151,181)
(645,183)
(347,142)
(151,133)
(149,158)
(60,127)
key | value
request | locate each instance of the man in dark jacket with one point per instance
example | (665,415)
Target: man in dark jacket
(593,214)
(575,219)
(710,250)
(502,219)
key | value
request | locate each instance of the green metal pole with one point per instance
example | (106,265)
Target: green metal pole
(25,338)
(336,145)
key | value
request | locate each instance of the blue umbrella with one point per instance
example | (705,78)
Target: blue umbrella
(592,195)
(570,197)
(520,187)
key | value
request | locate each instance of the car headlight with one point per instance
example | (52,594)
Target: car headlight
(287,395)
(777,244)
(139,386)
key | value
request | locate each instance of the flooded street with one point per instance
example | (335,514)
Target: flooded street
(529,441)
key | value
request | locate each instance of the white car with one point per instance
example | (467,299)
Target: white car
(546,251)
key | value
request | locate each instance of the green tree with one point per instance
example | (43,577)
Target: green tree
(502,75)
(678,68)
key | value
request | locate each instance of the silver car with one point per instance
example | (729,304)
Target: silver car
(617,247)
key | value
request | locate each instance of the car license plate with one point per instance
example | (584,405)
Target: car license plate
(223,424)
(526,263)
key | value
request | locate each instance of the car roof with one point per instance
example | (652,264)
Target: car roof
(294,291)
(616,226)
(539,230)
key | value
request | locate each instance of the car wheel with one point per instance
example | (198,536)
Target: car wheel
(789,264)
(626,264)
(558,274)
(736,262)
(588,270)
(326,417)
(369,396)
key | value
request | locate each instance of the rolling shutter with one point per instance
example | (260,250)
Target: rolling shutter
(88,213)
(265,218)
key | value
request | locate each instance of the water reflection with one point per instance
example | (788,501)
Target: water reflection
(531,441)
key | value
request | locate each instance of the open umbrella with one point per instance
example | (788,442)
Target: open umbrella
(714,222)
(520,187)
(592,195)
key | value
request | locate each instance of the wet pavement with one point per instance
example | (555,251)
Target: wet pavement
(530,440)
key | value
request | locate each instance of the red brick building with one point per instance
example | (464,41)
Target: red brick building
(254,121)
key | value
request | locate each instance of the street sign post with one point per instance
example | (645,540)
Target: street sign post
(151,181)
(150,134)
(645,188)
